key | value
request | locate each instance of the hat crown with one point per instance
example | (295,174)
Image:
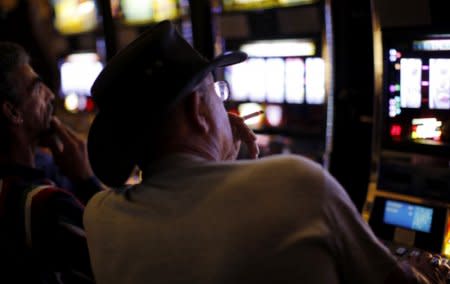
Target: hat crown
(160,59)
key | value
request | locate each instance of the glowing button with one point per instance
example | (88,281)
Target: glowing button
(71,102)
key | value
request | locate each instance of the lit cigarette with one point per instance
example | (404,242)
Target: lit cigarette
(253,114)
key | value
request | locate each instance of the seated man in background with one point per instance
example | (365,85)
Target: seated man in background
(200,216)
(42,238)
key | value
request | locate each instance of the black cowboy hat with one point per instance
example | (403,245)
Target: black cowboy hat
(136,89)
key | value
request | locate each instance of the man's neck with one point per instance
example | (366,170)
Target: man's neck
(197,146)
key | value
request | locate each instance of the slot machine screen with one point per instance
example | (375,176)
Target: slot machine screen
(408,216)
(78,72)
(278,72)
(75,16)
(439,92)
(410,82)
(416,100)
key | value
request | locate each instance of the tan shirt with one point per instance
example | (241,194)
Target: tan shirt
(281,219)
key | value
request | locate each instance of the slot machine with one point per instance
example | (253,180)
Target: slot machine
(82,59)
(408,199)
(287,74)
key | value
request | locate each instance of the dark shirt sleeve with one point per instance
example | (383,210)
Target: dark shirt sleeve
(58,235)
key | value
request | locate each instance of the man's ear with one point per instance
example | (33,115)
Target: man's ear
(11,113)
(197,112)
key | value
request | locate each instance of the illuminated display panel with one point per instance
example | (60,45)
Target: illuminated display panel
(236,77)
(275,82)
(315,81)
(140,12)
(75,16)
(278,71)
(78,73)
(295,80)
(256,79)
(279,48)
(439,92)
(410,82)
(416,95)
(409,216)
(233,5)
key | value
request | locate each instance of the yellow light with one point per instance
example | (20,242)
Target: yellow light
(165,9)
(71,102)
(73,17)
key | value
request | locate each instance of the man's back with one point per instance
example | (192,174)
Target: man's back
(263,221)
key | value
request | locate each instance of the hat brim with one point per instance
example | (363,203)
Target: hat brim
(142,50)
(223,60)
(109,153)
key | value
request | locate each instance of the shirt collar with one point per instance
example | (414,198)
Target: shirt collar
(174,161)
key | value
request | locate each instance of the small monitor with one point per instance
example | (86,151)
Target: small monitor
(408,216)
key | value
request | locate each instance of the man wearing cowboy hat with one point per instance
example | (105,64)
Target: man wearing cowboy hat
(200,216)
